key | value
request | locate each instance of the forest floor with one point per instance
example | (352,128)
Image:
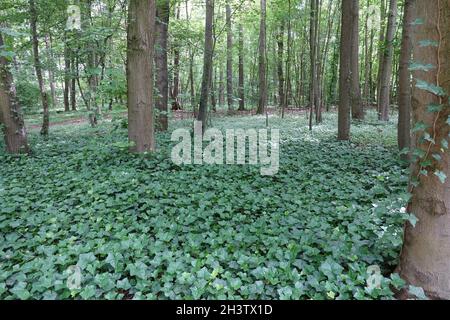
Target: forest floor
(141,227)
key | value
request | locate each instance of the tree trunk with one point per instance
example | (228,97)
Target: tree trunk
(241,70)
(91,94)
(11,118)
(73,85)
(162,76)
(229,57)
(386,68)
(404,101)
(207,64)
(66,77)
(425,255)
(345,72)
(38,67)
(176,105)
(262,101)
(51,78)
(280,44)
(356,105)
(140,51)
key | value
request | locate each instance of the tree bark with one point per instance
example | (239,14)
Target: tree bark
(356,105)
(386,68)
(66,77)
(162,75)
(11,118)
(425,255)
(241,70)
(140,52)
(345,72)
(262,101)
(280,44)
(38,67)
(207,64)
(229,57)
(404,101)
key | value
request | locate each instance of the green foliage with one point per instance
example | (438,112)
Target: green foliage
(141,227)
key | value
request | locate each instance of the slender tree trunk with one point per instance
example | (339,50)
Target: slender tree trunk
(140,52)
(176,105)
(367,59)
(11,118)
(386,69)
(38,67)
(207,64)
(313,36)
(280,44)
(345,72)
(404,101)
(381,49)
(162,75)
(73,85)
(262,101)
(229,57)
(91,94)
(66,77)
(51,78)
(241,69)
(287,92)
(356,105)
(425,255)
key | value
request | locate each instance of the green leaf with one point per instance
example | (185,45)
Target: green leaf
(436,90)
(429,43)
(416,66)
(434,107)
(420,126)
(88,292)
(441,175)
(418,292)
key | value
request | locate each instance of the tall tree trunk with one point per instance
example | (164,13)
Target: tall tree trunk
(11,118)
(404,100)
(91,95)
(262,101)
(313,44)
(241,69)
(425,255)
(229,57)
(287,92)
(381,48)
(207,64)
(356,105)
(162,76)
(280,44)
(51,78)
(66,77)
(38,67)
(345,72)
(73,85)
(140,52)
(386,68)
(367,59)
(176,105)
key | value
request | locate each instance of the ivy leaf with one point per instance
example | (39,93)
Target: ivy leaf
(88,292)
(418,292)
(434,89)
(411,218)
(441,175)
(420,126)
(434,107)
(417,66)
(429,43)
